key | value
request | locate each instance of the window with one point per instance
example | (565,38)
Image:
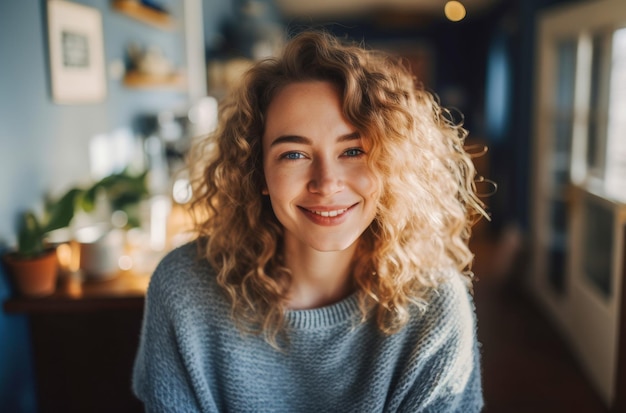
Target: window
(579,182)
(615,172)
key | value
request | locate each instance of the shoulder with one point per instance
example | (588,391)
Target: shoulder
(182,276)
(447,323)
(452,324)
(183,263)
(446,360)
(180,258)
(452,298)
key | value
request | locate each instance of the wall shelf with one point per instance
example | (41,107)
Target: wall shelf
(144,14)
(137,80)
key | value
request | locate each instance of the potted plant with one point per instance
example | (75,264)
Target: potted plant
(33,265)
(123,192)
(102,241)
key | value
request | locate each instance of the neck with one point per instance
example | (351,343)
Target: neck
(318,278)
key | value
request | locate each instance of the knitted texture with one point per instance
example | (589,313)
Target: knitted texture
(192,357)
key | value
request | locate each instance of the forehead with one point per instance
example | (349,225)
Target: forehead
(303,91)
(311,106)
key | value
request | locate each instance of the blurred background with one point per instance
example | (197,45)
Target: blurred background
(99,101)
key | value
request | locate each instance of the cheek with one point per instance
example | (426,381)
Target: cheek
(367,184)
(280,186)
(371,193)
(269,178)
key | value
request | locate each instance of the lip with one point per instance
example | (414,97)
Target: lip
(327,215)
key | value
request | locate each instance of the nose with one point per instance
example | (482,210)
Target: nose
(326,178)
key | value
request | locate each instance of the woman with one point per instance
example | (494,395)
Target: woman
(333,205)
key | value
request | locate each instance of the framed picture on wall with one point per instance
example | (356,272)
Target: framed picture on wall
(77,73)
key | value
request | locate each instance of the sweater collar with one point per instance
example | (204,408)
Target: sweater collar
(326,316)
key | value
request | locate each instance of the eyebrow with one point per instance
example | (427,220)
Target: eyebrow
(306,141)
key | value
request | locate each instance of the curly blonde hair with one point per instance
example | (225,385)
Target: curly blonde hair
(428,200)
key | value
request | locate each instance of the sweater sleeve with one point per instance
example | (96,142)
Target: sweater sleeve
(160,379)
(447,377)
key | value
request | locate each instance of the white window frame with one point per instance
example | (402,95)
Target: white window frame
(587,318)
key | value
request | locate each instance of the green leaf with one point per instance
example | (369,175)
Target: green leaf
(60,213)
(88,202)
(121,189)
(29,236)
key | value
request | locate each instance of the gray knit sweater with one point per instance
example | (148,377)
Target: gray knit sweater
(192,358)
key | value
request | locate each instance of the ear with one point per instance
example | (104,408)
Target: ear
(264,191)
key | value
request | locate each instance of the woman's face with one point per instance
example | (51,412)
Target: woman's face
(315,163)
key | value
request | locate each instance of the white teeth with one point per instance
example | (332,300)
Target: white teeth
(330,213)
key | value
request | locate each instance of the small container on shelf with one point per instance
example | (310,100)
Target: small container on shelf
(146,13)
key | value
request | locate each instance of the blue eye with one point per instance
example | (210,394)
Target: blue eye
(354,152)
(292,156)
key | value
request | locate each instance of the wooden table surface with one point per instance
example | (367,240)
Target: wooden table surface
(73,294)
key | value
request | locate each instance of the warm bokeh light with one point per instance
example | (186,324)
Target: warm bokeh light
(125,262)
(454,10)
(119,219)
(68,255)
(181,191)
(64,255)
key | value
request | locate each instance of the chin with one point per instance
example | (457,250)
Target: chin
(332,246)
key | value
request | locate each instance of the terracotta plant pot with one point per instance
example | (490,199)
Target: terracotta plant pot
(33,277)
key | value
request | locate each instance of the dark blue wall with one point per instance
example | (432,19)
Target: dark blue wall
(17,392)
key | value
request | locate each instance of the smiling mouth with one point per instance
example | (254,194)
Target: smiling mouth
(331,214)
(328,213)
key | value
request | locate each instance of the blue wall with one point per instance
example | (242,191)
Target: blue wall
(43,145)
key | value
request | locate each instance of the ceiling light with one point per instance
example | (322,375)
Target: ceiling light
(454,10)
